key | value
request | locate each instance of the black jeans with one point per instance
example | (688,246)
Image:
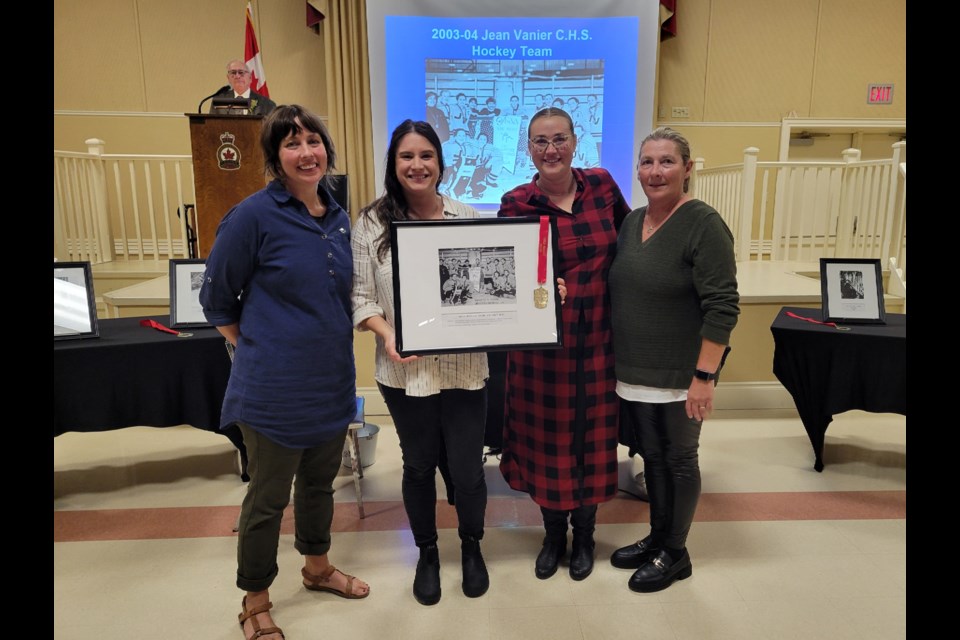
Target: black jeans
(454,419)
(668,441)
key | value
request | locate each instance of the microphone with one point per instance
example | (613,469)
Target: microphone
(200,106)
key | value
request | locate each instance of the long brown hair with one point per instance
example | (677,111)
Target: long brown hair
(392,205)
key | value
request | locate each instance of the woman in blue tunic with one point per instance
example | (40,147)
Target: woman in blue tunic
(277,286)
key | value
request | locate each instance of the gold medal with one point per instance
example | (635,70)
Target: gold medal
(540,298)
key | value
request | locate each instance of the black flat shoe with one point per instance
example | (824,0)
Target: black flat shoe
(581,559)
(660,572)
(550,556)
(634,555)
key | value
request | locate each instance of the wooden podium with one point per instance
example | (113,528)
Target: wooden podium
(227,167)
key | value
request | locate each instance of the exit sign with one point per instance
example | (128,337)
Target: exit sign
(879,94)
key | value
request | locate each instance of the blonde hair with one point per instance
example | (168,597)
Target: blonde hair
(674,136)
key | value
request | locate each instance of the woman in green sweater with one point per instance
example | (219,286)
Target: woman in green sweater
(674,300)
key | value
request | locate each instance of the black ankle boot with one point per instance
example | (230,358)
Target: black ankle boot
(581,559)
(426,584)
(476,580)
(553,549)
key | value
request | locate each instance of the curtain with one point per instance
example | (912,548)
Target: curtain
(668,19)
(344,27)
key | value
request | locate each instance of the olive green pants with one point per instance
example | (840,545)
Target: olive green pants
(273,470)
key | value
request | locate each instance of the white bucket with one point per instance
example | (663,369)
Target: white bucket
(367,436)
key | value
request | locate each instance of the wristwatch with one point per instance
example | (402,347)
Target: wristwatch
(700,374)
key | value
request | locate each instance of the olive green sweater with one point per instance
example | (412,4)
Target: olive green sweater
(669,292)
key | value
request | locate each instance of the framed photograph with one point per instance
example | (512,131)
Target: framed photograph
(74,303)
(852,290)
(483,284)
(186,278)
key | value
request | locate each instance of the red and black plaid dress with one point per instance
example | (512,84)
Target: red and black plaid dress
(560,422)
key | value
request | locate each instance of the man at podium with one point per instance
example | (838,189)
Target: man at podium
(239,78)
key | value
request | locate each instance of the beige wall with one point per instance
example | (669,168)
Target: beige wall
(740,66)
(149,57)
(740,62)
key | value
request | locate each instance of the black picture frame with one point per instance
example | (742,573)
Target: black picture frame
(186,278)
(483,309)
(74,301)
(852,291)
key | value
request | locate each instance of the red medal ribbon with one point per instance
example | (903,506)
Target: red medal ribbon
(542,251)
(829,324)
(153,324)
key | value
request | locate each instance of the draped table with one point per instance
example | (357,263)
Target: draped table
(138,376)
(829,371)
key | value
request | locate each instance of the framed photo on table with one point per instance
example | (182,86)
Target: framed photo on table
(482,284)
(186,278)
(74,302)
(852,290)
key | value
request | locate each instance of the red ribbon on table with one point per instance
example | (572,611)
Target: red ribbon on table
(828,324)
(542,251)
(153,324)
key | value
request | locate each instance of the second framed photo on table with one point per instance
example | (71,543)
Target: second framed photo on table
(483,284)
(852,290)
(186,278)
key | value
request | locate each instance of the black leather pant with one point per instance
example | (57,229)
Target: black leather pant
(668,441)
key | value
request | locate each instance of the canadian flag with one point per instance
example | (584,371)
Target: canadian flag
(251,56)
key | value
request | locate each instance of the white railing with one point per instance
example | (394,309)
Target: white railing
(109,206)
(803,211)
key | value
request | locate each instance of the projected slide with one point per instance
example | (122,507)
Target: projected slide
(479,80)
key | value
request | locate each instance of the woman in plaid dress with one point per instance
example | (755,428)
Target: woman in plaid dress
(560,424)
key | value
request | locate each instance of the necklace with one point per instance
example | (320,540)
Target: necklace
(570,188)
(653,227)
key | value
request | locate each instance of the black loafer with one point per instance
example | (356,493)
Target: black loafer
(660,572)
(549,557)
(634,555)
(581,559)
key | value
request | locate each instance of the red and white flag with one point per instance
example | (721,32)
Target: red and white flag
(251,56)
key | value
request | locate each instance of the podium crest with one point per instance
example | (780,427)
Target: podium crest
(228,155)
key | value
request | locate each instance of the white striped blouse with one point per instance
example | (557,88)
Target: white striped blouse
(373,296)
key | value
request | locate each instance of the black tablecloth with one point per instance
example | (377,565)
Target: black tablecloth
(138,376)
(828,371)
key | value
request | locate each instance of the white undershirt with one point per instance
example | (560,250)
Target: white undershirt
(656,395)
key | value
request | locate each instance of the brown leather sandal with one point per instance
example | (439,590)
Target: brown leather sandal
(248,614)
(322,582)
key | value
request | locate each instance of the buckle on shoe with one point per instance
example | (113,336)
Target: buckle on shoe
(659,563)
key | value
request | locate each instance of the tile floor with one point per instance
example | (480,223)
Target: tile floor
(144,548)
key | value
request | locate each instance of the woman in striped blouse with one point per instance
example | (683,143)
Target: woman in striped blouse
(436,401)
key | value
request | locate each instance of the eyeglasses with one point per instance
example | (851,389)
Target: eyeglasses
(237,72)
(560,143)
